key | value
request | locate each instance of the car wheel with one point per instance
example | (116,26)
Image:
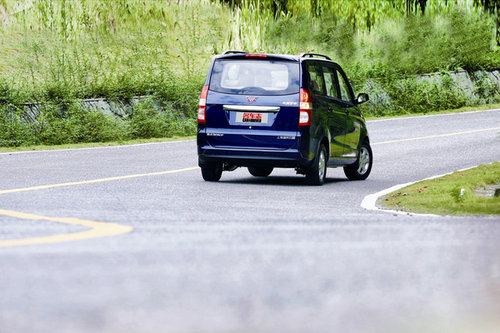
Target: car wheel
(260,171)
(316,174)
(211,172)
(363,165)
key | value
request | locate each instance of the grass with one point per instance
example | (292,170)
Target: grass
(59,52)
(452,194)
(94,144)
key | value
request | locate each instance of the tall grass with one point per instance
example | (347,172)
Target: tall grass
(60,51)
(114,49)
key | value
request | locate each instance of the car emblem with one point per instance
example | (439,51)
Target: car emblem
(251,100)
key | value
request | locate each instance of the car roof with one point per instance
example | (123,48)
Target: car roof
(243,54)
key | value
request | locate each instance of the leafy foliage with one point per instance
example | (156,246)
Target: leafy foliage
(59,52)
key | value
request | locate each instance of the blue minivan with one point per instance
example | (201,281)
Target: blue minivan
(265,111)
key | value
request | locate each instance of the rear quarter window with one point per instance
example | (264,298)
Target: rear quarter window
(257,77)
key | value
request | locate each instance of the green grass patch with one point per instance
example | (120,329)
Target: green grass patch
(94,144)
(453,194)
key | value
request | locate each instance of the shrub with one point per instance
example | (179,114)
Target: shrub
(414,94)
(88,125)
(52,128)
(152,119)
(14,131)
(486,88)
(146,121)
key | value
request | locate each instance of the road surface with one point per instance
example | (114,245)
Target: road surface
(131,239)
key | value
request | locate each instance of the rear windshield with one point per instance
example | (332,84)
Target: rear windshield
(256,77)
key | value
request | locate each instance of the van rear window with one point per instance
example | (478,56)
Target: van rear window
(256,77)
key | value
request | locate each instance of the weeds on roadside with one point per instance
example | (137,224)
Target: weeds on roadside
(58,52)
(453,194)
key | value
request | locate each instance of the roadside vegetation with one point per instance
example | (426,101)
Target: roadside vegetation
(54,53)
(454,194)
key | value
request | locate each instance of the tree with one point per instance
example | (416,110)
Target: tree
(277,6)
(412,6)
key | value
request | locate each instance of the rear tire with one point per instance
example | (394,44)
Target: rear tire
(260,171)
(211,172)
(316,174)
(363,165)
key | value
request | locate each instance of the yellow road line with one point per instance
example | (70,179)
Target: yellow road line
(436,136)
(97,229)
(93,181)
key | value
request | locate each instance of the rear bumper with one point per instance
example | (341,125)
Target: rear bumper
(289,158)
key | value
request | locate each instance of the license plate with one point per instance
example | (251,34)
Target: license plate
(251,118)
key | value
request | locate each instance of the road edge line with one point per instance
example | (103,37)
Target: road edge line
(431,115)
(18,152)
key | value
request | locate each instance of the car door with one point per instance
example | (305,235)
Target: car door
(328,117)
(336,113)
(353,123)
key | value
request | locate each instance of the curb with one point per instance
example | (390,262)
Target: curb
(370,201)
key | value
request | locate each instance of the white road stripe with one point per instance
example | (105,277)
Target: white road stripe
(93,148)
(431,115)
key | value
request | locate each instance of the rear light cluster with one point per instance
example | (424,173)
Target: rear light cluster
(305,109)
(202,106)
(252,55)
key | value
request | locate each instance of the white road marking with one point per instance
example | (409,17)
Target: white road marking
(431,115)
(93,148)
(93,181)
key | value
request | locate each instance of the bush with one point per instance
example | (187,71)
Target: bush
(414,95)
(152,119)
(74,123)
(14,131)
(52,127)
(146,121)
(88,125)
(486,88)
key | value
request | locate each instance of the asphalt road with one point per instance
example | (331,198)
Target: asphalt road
(246,254)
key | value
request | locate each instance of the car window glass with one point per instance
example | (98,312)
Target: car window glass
(316,82)
(266,77)
(330,82)
(344,88)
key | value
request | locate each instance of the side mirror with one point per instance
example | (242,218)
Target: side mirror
(362,98)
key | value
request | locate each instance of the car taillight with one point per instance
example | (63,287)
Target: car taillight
(253,55)
(202,106)
(305,110)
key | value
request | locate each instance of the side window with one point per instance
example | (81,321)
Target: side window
(316,82)
(344,88)
(330,82)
